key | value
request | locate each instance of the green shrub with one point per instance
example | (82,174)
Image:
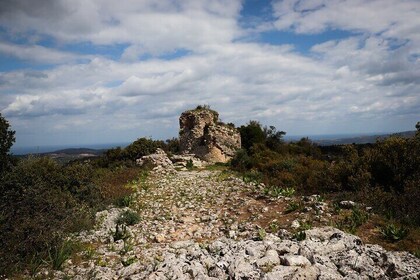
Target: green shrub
(141,147)
(352,222)
(126,157)
(124,201)
(252,177)
(300,235)
(190,164)
(393,232)
(292,206)
(7,138)
(128,218)
(41,202)
(251,134)
(241,161)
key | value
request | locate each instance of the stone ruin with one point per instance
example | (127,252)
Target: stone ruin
(203,139)
(201,133)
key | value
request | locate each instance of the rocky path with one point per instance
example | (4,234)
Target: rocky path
(211,225)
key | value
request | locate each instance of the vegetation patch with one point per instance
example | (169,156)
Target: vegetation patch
(394,232)
(351,222)
(128,218)
(292,206)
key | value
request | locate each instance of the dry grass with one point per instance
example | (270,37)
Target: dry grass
(113,184)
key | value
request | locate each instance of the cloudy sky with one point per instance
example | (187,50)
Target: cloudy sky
(101,71)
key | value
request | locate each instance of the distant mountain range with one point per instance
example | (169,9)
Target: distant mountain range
(77,151)
(364,139)
(68,154)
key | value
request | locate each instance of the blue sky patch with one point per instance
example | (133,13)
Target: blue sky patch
(302,42)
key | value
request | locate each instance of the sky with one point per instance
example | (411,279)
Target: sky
(103,71)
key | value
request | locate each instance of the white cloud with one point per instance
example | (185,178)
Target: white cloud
(394,19)
(363,82)
(242,81)
(38,54)
(153,27)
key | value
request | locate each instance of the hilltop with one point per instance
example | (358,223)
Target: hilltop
(363,139)
(209,224)
(219,202)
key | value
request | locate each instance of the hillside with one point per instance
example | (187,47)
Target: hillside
(77,151)
(363,139)
(67,155)
(217,203)
(209,224)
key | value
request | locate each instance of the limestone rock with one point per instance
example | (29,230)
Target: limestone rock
(182,161)
(292,260)
(159,161)
(202,134)
(348,204)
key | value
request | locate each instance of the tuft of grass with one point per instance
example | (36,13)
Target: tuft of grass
(128,261)
(274,226)
(89,253)
(393,232)
(305,226)
(261,234)
(59,254)
(276,192)
(124,201)
(128,246)
(34,264)
(300,235)
(336,208)
(190,164)
(217,166)
(121,232)
(252,177)
(288,192)
(293,206)
(352,222)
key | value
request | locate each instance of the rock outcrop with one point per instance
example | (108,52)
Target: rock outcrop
(327,253)
(194,226)
(183,161)
(202,134)
(159,161)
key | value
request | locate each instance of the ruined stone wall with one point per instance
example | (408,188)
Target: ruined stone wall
(202,134)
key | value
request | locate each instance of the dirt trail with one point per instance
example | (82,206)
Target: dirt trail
(188,215)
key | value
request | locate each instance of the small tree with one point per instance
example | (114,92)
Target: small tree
(251,134)
(273,138)
(7,138)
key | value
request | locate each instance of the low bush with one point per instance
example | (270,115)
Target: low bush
(384,175)
(128,218)
(300,235)
(41,202)
(393,232)
(353,221)
(292,206)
